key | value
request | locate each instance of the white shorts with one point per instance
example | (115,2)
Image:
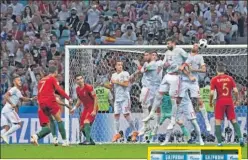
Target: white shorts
(147,96)
(122,107)
(9,118)
(193,87)
(170,84)
(185,109)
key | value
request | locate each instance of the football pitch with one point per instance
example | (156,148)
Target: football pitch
(105,151)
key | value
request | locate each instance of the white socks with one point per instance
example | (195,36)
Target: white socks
(117,125)
(131,122)
(12,129)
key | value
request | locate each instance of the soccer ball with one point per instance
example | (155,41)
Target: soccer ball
(203,43)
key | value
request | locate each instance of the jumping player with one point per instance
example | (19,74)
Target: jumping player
(224,86)
(9,117)
(151,79)
(174,58)
(86,96)
(185,109)
(120,83)
(196,64)
(49,106)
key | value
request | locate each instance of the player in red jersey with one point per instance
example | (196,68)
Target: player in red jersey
(224,85)
(86,95)
(49,106)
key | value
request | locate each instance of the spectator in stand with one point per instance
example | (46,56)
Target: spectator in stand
(133,15)
(218,37)
(73,20)
(126,24)
(140,40)
(208,15)
(63,14)
(27,15)
(188,7)
(93,15)
(129,34)
(17,8)
(73,39)
(53,51)
(114,24)
(144,21)
(225,28)
(200,34)
(83,28)
(222,7)
(197,10)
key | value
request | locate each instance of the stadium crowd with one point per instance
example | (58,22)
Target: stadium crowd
(34,32)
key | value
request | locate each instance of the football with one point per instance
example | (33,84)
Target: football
(203,43)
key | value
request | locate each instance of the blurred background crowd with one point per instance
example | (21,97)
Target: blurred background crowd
(34,32)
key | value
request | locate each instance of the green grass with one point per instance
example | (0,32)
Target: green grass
(114,151)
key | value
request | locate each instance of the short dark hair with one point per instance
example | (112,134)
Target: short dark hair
(14,76)
(172,39)
(229,5)
(221,67)
(118,60)
(78,75)
(52,69)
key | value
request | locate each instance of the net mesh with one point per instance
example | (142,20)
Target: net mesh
(97,66)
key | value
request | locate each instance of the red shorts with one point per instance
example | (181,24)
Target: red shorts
(44,119)
(225,106)
(50,108)
(86,115)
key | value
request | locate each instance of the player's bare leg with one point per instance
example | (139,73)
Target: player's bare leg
(146,125)
(174,101)
(132,126)
(204,114)
(117,135)
(157,102)
(238,132)
(61,127)
(157,118)
(4,130)
(11,130)
(198,131)
(45,130)
(86,129)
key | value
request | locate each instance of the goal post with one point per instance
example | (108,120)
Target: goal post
(95,63)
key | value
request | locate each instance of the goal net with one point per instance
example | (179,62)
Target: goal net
(96,64)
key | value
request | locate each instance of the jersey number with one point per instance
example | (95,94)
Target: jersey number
(225,89)
(42,85)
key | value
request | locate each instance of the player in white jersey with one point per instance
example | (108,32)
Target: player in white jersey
(10,121)
(196,65)
(151,79)
(122,104)
(174,58)
(185,108)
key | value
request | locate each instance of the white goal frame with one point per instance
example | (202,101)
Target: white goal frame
(133,48)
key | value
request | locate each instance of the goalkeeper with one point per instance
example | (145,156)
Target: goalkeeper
(186,109)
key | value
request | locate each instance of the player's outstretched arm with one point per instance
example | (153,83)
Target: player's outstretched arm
(61,103)
(60,90)
(76,106)
(26,99)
